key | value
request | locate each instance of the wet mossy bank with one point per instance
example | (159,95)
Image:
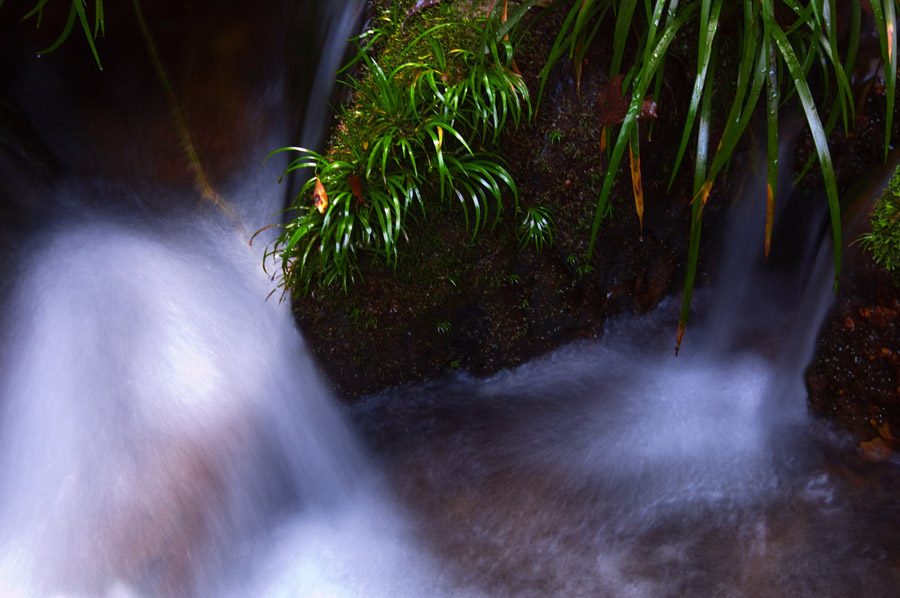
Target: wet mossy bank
(482,304)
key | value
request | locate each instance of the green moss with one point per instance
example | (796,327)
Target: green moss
(884,240)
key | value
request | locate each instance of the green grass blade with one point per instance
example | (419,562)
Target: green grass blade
(700,176)
(99,19)
(709,24)
(514,17)
(631,120)
(834,114)
(559,48)
(741,113)
(64,35)
(771,138)
(623,26)
(818,134)
(885,20)
(38,10)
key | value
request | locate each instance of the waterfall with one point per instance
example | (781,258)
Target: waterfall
(157,412)
(155,408)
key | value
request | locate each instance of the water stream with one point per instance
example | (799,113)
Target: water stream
(164,432)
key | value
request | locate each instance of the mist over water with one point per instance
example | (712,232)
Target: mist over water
(165,432)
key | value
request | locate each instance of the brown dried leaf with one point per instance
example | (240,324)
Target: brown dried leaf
(648,108)
(355,187)
(613,106)
(320,198)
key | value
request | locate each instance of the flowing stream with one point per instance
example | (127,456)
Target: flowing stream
(164,432)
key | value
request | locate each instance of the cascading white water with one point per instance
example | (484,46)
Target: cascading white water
(156,409)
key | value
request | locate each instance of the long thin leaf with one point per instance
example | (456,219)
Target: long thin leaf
(623,26)
(771,138)
(709,25)
(834,114)
(818,133)
(82,16)
(631,119)
(634,155)
(886,21)
(67,30)
(700,176)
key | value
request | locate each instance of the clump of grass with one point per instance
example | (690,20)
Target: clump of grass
(422,123)
(537,227)
(777,57)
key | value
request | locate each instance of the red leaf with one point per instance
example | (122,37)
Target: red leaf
(355,187)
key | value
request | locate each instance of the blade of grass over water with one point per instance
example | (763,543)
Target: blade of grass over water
(660,72)
(818,132)
(885,15)
(709,24)
(624,16)
(771,138)
(642,83)
(700,176)
(834,113)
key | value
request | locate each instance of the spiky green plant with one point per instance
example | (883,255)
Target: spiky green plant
(77,11)
(537,227)
(777,56)
(421,124)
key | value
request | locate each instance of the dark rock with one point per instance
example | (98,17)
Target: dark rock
(854,378)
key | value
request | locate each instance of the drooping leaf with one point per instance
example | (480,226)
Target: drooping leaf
(320,198)
(771,139)
(709,26)
(818,134)
(701,192)
(659,50)
(634,154)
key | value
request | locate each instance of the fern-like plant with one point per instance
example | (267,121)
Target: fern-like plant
(420,127)
(536,227)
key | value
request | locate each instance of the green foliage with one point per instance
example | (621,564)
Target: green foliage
(421,124)
(884,240)
(77,11)
(775,54)
(536,227)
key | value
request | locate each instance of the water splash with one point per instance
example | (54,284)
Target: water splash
(155,410)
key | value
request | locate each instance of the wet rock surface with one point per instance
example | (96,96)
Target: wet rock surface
(481,304)
(854,378)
